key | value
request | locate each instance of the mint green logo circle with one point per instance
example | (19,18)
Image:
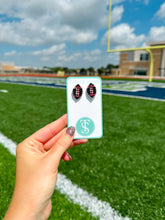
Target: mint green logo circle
(85,126)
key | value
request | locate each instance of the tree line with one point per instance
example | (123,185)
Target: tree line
(82,71)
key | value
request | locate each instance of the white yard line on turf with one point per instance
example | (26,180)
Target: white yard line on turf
(3,90)
(79,196)
(105,93)
(133,96)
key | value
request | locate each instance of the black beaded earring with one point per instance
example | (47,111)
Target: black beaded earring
(77,92)
(91,91)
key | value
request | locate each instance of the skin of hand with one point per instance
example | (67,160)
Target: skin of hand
(37,161)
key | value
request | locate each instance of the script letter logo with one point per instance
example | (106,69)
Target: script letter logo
(85,126)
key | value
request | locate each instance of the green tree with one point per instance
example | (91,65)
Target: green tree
(91,70)
(110,67)
(66,69)
(101,71)
(83,71)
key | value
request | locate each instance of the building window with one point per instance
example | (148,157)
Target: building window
(144,56)
(140,72)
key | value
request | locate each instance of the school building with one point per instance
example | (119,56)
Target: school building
(138,62)
(9,67)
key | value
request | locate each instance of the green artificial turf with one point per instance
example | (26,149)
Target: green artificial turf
(125,167)
(7,178)
(61,207)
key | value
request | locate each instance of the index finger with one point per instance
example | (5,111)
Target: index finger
(49,131)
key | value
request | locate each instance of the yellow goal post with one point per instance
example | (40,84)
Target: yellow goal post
(148,49)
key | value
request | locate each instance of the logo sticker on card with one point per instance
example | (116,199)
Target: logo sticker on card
(85,126)
(84,106)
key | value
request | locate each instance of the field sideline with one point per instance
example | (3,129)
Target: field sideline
(124,88)
(125,168)
(140,78)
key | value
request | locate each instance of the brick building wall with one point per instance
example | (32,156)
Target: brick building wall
(131,67)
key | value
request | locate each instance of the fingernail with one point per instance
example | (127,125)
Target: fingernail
(69,157)
(66,156)
(70,131)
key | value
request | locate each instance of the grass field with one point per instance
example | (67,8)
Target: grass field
(125,168)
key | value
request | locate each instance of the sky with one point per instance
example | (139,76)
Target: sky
(73,33)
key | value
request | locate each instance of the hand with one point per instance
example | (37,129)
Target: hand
(37,161)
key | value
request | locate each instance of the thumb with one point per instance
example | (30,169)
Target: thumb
(63,143)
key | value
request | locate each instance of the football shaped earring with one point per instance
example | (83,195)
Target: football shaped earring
(77,92)
(91,91)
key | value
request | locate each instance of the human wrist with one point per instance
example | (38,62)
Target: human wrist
(23,209)
(13,214)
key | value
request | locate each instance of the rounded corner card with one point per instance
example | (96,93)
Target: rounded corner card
(84,106)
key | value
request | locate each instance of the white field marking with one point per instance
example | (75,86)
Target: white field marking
(74,193)
(105,93)
(3,90)
(38,85)
(133,96)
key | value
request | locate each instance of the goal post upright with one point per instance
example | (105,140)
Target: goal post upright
(148,49)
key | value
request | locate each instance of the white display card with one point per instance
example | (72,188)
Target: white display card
(84,106)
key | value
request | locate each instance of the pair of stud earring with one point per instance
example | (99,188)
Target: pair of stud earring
(90,91)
